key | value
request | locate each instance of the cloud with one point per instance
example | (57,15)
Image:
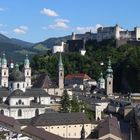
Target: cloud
(21,30)
(2,25)
(48,12)
(88,28)
(60,24)
(62,20)
(1,9)
(4,32)
(44,28)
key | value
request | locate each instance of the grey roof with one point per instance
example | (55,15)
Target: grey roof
(43,81)
(10,123)
(59,119)
(4,92)
(34,92)
(40,133)
(16,76)
(109,126)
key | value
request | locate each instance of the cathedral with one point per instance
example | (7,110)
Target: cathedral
(17,97)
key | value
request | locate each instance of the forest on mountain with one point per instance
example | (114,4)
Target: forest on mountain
(125,63)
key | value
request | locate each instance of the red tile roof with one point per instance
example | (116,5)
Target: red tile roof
(78,75)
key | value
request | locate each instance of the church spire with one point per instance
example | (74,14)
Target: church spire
(109,68)
(60,60)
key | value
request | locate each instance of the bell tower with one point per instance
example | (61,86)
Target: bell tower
(109,79)
(4,72)
(61,73)
(27,72)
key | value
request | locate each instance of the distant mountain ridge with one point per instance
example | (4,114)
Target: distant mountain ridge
(50,42)
(17,49)
(15,41)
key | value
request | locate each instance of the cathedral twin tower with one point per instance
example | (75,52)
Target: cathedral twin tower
(7,70)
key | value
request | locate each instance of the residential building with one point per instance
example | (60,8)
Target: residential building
(66,125)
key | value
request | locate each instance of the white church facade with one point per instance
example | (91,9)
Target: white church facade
(17,98)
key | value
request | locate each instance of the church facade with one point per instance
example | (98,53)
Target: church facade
(17,98)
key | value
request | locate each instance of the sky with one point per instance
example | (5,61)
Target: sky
(37,20)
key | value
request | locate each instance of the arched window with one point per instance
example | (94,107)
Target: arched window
(2,112)
(17,85)
(19,112)
(23,85)
(36,112)
(27,73)
(19,102)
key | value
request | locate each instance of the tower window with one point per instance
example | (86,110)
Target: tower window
(109,83)
(4,73)
(17,85)
(27,73)
(61,74)
(23,85)
(19,112)
(36,112)
(2,112)
(4,84)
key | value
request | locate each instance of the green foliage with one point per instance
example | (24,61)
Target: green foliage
(40,47)
(125,63)
(75,106)
(65,102)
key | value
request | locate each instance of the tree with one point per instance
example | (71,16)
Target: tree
(75,107)
(65,102)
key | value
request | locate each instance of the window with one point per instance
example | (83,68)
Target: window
(36,112)
(69,134)
(4,73)
(57,127)
(23,85)
(19,102)
(109,83)
(74,134)
(2,112)
(27,73)
(19,112)
(35,99)
(17,85)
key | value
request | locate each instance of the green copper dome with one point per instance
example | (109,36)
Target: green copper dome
(26,61)
(109,68)
(4,61)
(16,75)
(101,79)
